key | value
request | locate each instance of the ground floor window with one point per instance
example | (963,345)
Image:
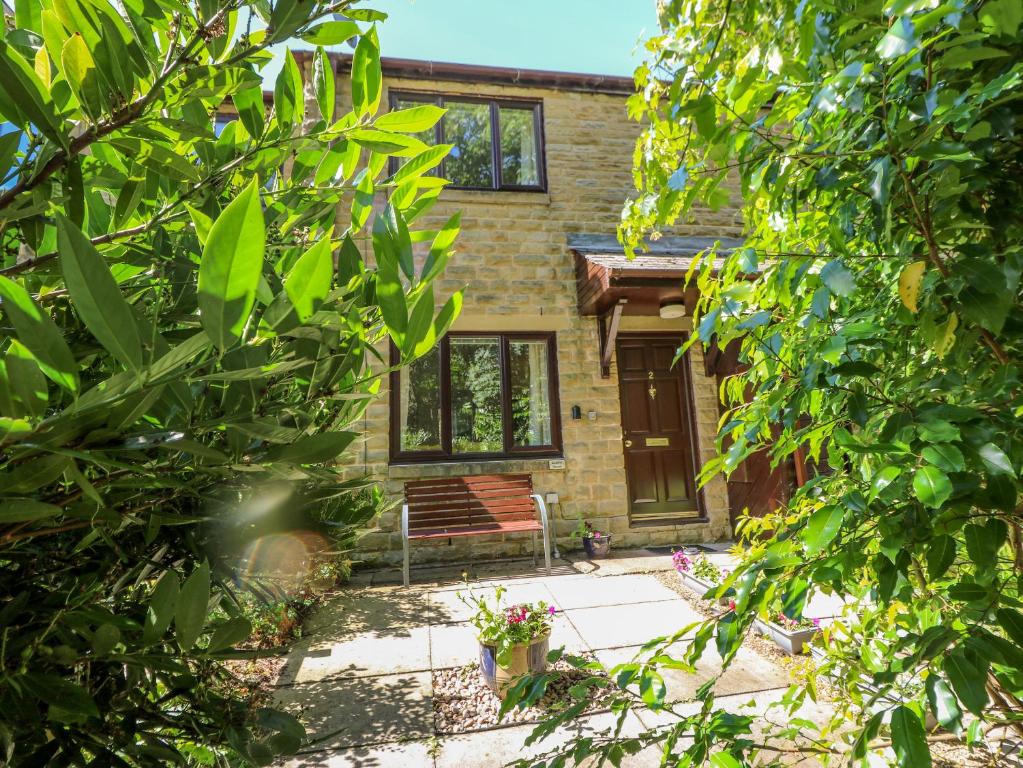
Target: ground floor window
(491,395)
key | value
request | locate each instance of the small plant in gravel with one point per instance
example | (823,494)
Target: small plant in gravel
(585,530)
(794,625)
(507,626)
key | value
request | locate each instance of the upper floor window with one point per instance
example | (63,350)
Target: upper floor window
(498,144)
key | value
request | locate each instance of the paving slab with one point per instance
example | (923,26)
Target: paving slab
(356,711)
(610,590)
(624,561)
(360,655)
(748,673)
(411,754)
(447,608)
(454,645)
(386,611)
(618,626)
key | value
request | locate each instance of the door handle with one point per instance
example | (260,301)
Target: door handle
(628,443)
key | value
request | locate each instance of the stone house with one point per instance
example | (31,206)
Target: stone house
(560,364)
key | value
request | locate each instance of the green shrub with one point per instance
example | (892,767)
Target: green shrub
(189,322)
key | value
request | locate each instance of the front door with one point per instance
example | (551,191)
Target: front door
(657,429)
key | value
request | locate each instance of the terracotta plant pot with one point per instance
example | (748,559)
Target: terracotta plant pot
(597,548)
(525,657)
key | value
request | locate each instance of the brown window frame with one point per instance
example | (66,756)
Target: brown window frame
(510,451)
(495,104)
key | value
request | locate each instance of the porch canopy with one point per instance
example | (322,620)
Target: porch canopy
(609,284)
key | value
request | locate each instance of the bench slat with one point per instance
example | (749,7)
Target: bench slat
(440,533)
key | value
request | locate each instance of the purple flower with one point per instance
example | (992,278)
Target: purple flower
(551,610)
(816,622)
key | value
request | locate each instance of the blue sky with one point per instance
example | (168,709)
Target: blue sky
(593,36)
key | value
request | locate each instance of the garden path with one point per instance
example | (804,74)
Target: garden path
(362,676)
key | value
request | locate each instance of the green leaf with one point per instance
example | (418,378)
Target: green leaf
(838,278)
(884,478)
(314,449)
(37,331)
(822,527)
(367,77)
(288,104)
(945,457)
(1001,17)
(162,604)
(724,760)
(909,740)
(967,680)
(192,604)
(105,638)
(79,68)
(331,32)
(67,697)
(33,474)
(26,510)
(229,270)
(32,99)
(308,281)
(251,110)
(944,704)
(900,39)
(984,541)
(727,635)
(96,296)
(1012,622)
(995,460)
(411,120)
(931,486)
(230,633)
(941,553)
(323,84)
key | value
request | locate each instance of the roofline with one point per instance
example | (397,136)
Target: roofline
(416,69)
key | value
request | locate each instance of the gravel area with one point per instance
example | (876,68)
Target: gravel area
(762,645)
(462,701)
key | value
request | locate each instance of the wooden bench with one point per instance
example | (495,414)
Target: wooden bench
(446,507)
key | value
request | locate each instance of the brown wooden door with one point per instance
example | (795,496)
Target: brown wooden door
(657,428)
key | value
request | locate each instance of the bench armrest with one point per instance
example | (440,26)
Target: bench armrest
(542,507)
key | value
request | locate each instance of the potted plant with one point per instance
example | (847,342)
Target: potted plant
(699,574)
(596,543)
(513,639)
(789,634)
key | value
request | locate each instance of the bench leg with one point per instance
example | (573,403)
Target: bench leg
(545,523)
(534,549)
(405,546)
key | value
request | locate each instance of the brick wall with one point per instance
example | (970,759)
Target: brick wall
(513,257)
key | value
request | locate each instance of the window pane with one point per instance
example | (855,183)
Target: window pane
(467,126)
(518,148)
(530,393)
(420,404)
(428,136)
(476,423)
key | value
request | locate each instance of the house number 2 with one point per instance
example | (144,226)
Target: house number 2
(651,390)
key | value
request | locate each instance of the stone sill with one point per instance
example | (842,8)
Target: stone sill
(416,470)
(489,197)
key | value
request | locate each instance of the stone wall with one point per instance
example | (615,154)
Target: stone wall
(520,275)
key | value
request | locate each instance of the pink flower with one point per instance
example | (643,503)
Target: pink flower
(731,605)
(551,610)
(816,622)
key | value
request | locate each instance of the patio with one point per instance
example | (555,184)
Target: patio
(362,677)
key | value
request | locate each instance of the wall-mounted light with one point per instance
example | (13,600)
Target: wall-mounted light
(577,413)
(672,309)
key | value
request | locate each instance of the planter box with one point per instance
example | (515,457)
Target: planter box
(792,642)
(700,586)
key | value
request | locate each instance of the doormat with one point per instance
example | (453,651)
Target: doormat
(675,547)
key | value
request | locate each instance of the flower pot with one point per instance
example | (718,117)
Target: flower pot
(700,586)
(791,641)
(525,657)
(597,548)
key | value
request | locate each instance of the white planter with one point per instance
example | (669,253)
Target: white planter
(790,641)
(699,586)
